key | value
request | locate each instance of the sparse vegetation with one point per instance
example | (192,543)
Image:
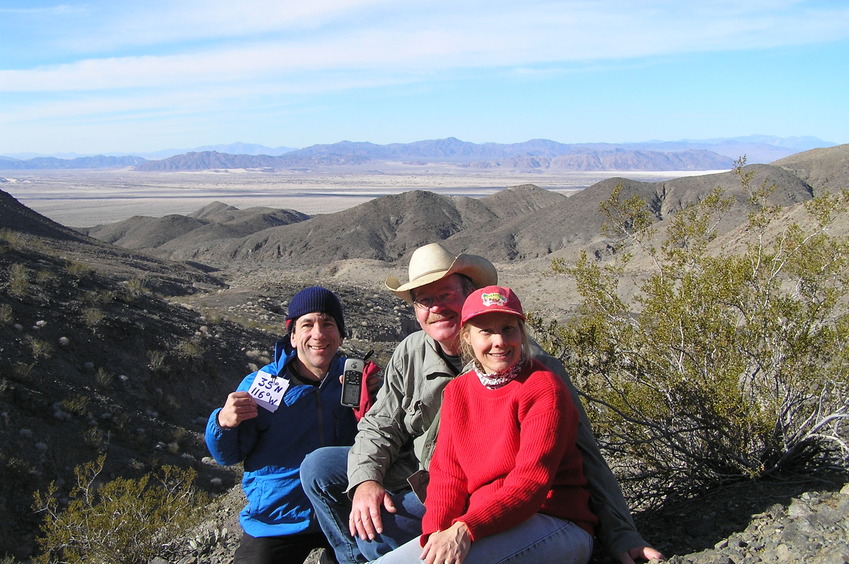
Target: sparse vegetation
(76,405)
(12,240)
(46,278)
(19,280)
(103,378)
(6,314)
(119,521)
(190,350)
(134,287)
(156,360)
(79,269)
(722,366)
(40,349)
(100,297)
(92,316)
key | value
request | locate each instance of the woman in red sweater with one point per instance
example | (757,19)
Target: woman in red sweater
(506,483)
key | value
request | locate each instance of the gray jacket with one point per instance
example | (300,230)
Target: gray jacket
(393,440)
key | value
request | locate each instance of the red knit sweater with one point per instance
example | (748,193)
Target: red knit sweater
(503,455)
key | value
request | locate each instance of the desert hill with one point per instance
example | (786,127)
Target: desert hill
(16,217)
(213,222)
(519,223)
(825,169)
(159,275)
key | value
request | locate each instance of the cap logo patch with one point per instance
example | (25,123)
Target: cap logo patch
(493,298)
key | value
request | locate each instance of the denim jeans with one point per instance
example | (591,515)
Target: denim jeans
(539,540)
(324,476)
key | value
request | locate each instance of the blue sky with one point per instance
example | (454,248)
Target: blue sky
(142,75)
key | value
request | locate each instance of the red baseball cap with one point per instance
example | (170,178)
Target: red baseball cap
(491,299)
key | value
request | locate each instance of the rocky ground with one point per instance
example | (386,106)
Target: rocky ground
(797,519)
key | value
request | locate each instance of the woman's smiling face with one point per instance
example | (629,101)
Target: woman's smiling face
(496,339)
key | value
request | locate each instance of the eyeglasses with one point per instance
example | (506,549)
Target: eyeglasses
(427,302)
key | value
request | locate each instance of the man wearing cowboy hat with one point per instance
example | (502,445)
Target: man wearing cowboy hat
(377,505)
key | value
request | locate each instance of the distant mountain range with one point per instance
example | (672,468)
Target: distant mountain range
(536,154)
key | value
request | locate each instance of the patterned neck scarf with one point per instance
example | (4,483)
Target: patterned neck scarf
(499,379)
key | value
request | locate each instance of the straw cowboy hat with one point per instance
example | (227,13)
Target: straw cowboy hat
(432,262)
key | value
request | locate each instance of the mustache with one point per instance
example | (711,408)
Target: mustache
(434,317)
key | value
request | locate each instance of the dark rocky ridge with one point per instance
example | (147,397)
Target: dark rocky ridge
(519,223)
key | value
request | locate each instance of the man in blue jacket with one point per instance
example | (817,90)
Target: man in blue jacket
(277,416)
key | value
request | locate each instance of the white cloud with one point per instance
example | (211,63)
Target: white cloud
(164,22)
(101,60)
(433,41)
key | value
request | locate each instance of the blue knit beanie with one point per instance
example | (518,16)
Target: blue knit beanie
(316,299)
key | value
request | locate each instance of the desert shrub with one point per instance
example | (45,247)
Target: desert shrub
(156,360)
(191,350)
(92,316)
(6,314)
(103,378)
(40,349)
(99,297)
(134,288)
(75,405)
(46,278)
(120,521)
(184,439)
(19,280)
(22,371)
(79,269)
(96,438)
(13,240)
(213,317)
(722,366)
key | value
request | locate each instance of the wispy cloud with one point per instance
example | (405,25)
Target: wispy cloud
(101,58)
(407,41)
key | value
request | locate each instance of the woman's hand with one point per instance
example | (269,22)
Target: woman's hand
(449,546)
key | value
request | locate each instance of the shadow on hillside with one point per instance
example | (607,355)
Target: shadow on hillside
(686,526)
(205,268)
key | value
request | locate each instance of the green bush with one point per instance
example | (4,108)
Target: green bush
(723,365)
(120,521)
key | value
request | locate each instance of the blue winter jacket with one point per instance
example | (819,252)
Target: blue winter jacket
(272,446)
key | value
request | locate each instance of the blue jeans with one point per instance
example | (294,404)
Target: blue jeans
(324,477)
(540,539)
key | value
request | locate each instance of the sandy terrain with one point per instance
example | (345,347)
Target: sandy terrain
(83,198)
